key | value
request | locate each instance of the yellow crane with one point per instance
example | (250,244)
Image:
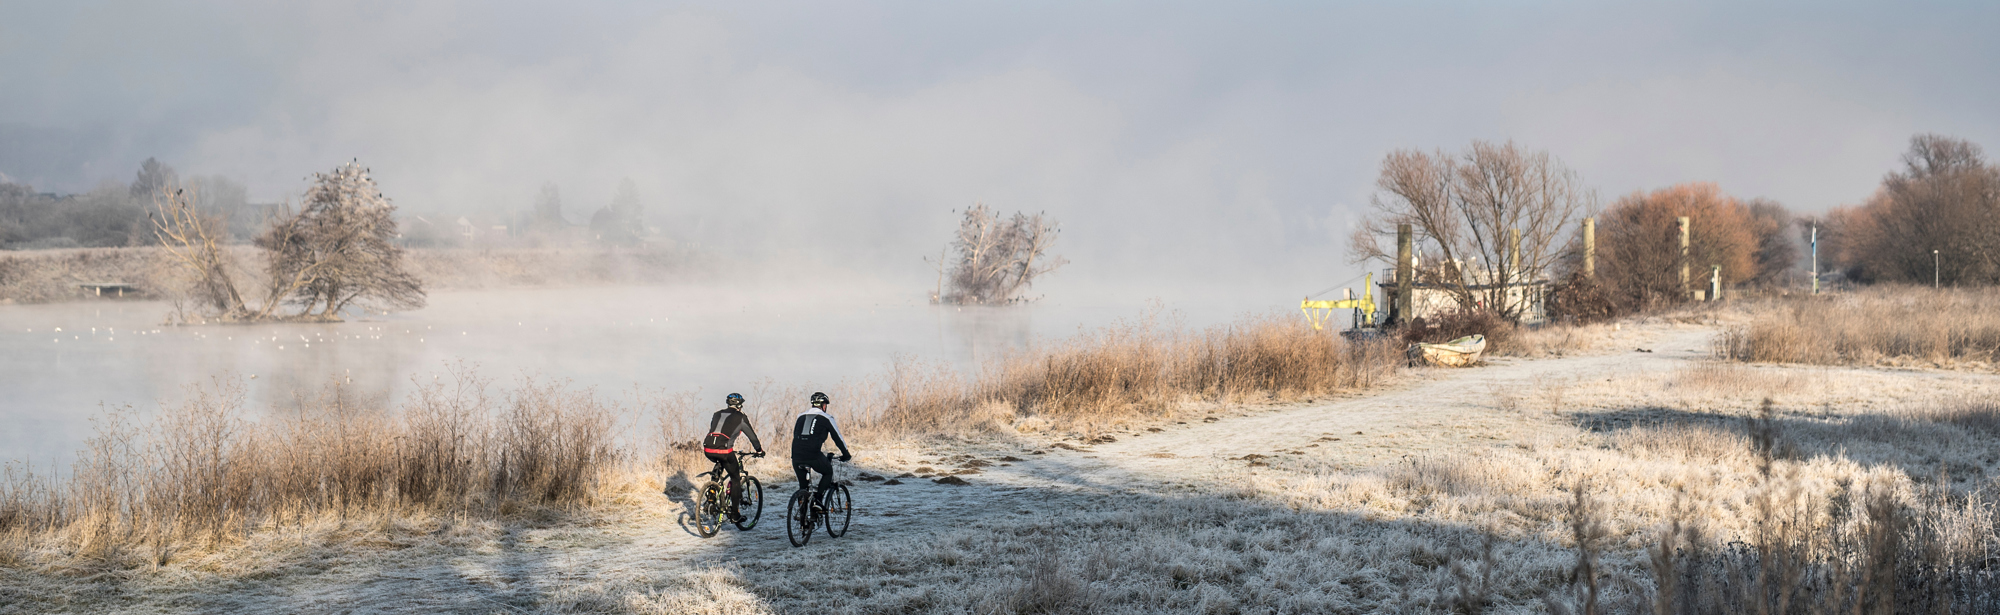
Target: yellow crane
(1320,312)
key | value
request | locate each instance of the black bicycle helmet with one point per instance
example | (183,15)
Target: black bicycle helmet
(734,400)
(819,399)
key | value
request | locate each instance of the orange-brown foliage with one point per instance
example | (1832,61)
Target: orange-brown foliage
(1640,252)
(1935,221)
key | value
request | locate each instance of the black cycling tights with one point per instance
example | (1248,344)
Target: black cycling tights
(818,463)
(734,468)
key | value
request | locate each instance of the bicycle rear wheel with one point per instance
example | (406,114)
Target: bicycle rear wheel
(839,510)
(708,510)
(753,503)
(799,518)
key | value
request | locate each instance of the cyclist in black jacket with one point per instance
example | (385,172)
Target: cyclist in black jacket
(809,433)
(720,446)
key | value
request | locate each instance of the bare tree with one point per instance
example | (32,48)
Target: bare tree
(194,238)
(1777,249)
(547,216)
(997,260)
(1467,209)
(1947,199)
(623,221)
(337,250)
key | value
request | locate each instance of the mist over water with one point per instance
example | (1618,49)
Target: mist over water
(712,337)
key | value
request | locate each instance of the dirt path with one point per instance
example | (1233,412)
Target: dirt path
(1431,412)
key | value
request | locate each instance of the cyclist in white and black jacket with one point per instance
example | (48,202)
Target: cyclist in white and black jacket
(720,447)
(809,433)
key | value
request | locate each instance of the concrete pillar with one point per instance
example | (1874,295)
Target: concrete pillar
(1683,222)
(1513,254)
(1406,272)
(1715,284)
(1590,247)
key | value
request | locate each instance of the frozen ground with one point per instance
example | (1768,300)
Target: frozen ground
(1390,500)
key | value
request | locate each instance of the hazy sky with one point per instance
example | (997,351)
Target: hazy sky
(1172,139)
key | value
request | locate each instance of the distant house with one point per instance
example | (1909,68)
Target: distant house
(1433,296)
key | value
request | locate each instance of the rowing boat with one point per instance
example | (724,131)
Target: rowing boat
(1461,352)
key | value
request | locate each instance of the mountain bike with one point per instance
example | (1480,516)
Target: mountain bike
(811,509)
(713,504)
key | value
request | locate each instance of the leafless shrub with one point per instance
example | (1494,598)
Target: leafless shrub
(1505,399)
(1553,391)
(997,260)
(194,239)
(337,249)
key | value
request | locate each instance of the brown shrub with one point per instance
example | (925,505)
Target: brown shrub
(1456,324)
(1640,258)
(1580,299)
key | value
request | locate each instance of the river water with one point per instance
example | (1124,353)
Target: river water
(63,364)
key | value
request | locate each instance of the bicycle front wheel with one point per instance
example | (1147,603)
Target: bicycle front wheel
(839,510)
(708,509)
(753,503)
(799,518)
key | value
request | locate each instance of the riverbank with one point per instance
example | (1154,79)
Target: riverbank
(1442,491)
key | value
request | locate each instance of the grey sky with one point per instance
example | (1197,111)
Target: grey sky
(1171,139)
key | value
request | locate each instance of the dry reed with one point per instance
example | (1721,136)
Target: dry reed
(1132,371)
(1874,325)
(202,474)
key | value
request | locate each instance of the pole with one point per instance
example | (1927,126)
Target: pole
(1815,251)
(1513,253)
(1936,265)
(1715,284)
(1406,273)
(1683,223)
(1589,247)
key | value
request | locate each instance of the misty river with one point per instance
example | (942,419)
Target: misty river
(65,363)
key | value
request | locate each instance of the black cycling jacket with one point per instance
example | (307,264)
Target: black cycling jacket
(810,431)
(731,423)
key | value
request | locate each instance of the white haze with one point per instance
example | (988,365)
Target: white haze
(1187,148)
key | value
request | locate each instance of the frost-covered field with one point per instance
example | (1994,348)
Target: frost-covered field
(1447,490)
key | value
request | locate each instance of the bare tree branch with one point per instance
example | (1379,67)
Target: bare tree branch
(997,262)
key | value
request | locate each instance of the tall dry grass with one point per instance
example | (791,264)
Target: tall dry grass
(1128,372)
(1872,325)
(205,472)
